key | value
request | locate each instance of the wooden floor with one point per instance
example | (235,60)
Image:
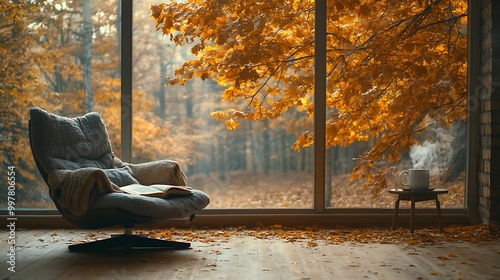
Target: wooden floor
(43,254)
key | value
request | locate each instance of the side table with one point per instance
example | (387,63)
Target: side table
(416,196)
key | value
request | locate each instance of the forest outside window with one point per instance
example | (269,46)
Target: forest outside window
(240,163)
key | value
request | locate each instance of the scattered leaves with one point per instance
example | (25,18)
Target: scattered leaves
(313,236)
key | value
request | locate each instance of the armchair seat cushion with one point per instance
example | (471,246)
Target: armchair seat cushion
(154,207)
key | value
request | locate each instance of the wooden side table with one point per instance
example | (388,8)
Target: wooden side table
(416,196)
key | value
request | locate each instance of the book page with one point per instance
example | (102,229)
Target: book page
(157,190)
(170,189)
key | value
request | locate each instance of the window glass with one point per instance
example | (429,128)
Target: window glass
(396,100)
(252,166)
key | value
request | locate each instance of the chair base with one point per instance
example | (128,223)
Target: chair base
(128,242)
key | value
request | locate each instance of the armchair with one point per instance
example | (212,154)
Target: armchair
(75,158)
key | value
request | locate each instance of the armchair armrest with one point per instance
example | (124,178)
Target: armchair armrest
(158,172)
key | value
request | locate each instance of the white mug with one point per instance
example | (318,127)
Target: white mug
(418,179)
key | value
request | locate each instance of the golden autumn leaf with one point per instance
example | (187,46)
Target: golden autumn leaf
(231,123)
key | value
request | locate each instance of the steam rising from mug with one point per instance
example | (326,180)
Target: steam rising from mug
(434,155)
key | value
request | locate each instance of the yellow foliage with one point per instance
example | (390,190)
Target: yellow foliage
(19,87)
(388,68)
(231,123)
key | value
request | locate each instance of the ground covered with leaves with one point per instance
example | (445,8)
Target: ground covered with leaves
(295,189)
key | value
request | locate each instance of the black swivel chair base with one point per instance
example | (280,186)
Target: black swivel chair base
(128,241)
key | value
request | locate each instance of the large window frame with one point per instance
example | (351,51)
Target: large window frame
(319,214)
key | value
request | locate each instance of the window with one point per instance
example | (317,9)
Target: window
(254,163)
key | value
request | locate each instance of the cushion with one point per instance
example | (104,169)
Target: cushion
(70,143)
(160,208)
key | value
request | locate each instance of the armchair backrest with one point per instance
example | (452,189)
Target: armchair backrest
(69,143)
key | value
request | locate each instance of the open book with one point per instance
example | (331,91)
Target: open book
(156,190)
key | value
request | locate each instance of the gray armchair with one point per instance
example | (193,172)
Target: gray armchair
(75,158)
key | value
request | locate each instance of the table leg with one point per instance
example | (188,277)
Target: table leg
(412,212)
(438,207)
(395,214)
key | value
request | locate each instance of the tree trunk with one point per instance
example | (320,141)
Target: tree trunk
(330,165)
(283,152)
(87,57)
(161,90)
(254,145)
(221,162)
(266,141)
(188,95)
